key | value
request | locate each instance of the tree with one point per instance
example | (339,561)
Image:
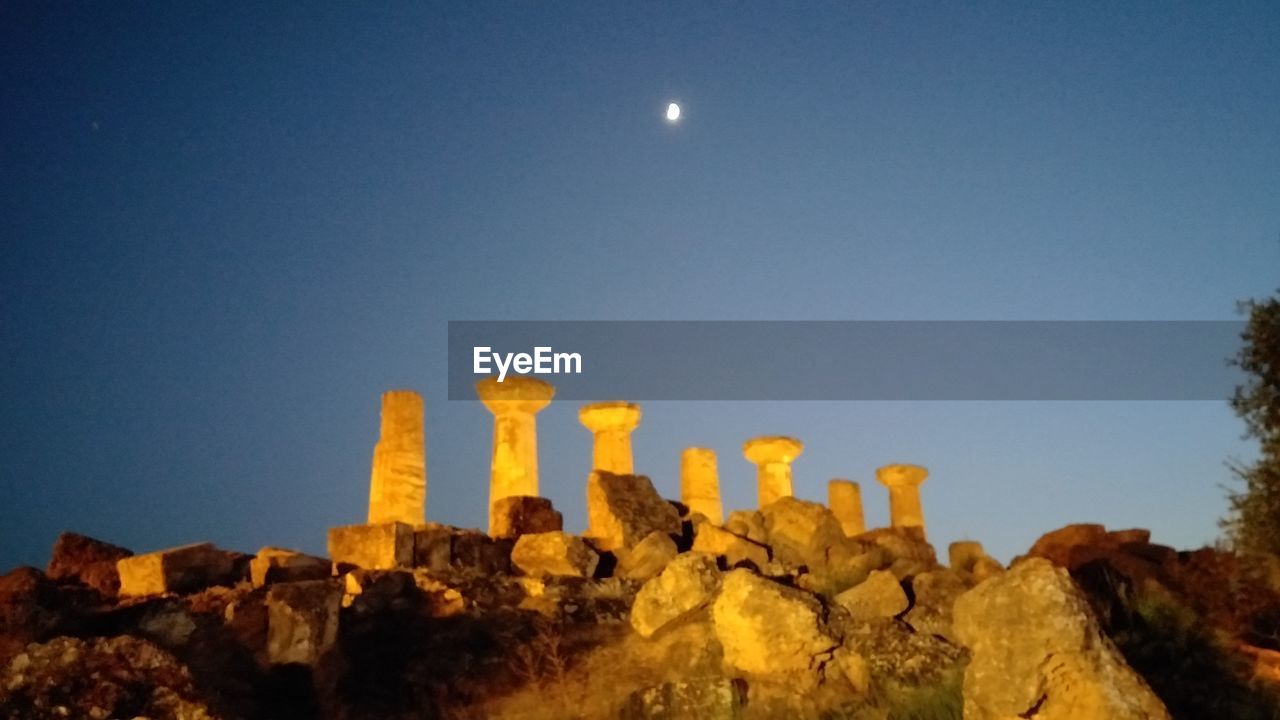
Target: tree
(1254,521)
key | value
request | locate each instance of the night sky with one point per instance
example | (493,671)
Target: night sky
(226,228)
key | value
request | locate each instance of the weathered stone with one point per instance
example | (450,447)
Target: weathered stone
(1132,535)
(302,620)
(88,561)
(879,596)
(398,481)
(647,558)
(623,509)
(908,552)
(733,548)
(1056,546)
(844,497)
(1038,651)
(772,455)
(801,532)
(700,484)
(895,653)
(433,547)
(273,565)
(554,553)
(748,524)
(373,547)
(935,596)
(115,677)
(904,483)
(707,699)
(177,570)
(766,628)
(968,556)
(686,585)
(518,515)
(514,403)
(31,608)
(477,552)
(611,424)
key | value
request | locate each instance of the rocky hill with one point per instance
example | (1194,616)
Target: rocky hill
(775,613)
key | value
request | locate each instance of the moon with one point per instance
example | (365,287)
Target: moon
(673,112)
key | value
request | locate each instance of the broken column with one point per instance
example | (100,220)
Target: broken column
(700,483)
(904,482)
(514,402)
(398,483)
(844,497)
(772,456)
(611,424)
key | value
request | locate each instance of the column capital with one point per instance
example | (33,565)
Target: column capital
(772,448)
(515,394)
(611,415)
(901,475)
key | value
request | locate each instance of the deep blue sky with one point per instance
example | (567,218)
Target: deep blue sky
(227,228)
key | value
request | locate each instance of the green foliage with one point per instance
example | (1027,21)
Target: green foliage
(1254,521)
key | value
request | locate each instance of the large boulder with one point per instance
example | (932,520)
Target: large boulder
(32,607)
(622,510)
(768,629)
(647,558)
(554,554)
(969,557)
(801,532)
(748,524)
(935,595)
(685,586)
(302,621)
(87,561)
(879,596)
(1038,651)
(181,569)
(735,549)
(518,515)
(380,546)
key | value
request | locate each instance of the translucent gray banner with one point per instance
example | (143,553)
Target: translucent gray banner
(856,360)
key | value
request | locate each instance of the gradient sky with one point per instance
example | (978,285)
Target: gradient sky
(226,229)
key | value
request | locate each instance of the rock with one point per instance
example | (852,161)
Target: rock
(475,552)
(518,515)
(379,590)
(623,509)
(686,585)
(554,554)
(374,547)
(849,562)
(1038,652)
(733,548)
(708,699)
(748,524)
(117,677)
(1056,546)
(935,596)
(908,552)
(302,621)
(1132,535)
(273,565)
(879,596)
(433,547)
(87,561)
(800,532)
(647,558)
(31,608)
(768,629)
(896,654)
(177,570)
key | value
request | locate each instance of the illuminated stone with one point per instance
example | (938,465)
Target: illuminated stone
(685,585)
(844,497)
(514,403)
(398,482)
(181,569)
(768,629)
(611,424)
(879,596)
(772,456)
(277,565)
(554,554)
(623,509)
(374,547)
(700,483)
(904,482)
(302,621)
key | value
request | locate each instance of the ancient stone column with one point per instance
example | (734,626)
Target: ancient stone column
(772,455)
(700,483)
(513,402)
(398,482)
(904,482)
(611,424)
(844,497)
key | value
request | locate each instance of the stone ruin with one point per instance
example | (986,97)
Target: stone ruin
(790,609)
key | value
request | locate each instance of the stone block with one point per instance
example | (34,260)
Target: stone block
(623,509)
(176,570)
(374,547)
(274,565)
(88,561)
(647,558)
(687,584)
(554,554)
(523,514)
(302,621)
